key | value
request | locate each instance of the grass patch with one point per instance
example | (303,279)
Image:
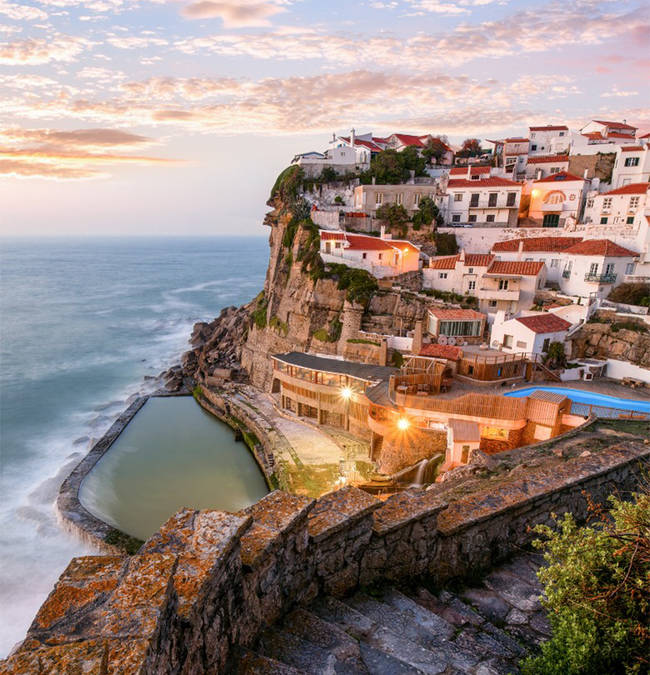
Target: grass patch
(123,541)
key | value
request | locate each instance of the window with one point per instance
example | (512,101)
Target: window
(593,268)
(364,255)
(555,169)
(630,220)
(416,199)
(442,275)
(503,284)
(551,220)
(603,220)
(471,286)
(512,199)
(561,133)
(634,203)
(379,198)
(458,196)
(472,218)
(590,203)
(455,218)
(490,218)
(610,268)
(400,198)
(528,260)
(471,270)
(607,203)
(533,147)
(545,344)
(555,262)
(522,345)
(629,268)
(337,244)
(631,161)
(379,256)
(492,199)
(507,340)
(493,303)
(532,135)
(473,200)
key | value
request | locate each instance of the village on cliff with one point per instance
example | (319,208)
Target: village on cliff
(452,346)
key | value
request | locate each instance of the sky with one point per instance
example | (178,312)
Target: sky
(173,117)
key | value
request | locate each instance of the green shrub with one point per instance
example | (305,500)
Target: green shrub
(631,294)
(338,199)
(393,214)
(360,285)
(332,335)
(390,167)
(636,326)
(259,314)
(197,392)
(426,214)
(555,356)
(596,586)
(446,243)
(363,341)
(322,335)
(279,326)
(397,359)
(287,184)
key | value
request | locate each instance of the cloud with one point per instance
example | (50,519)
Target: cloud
(35,51)
(234,13)
(615,92)
(21,12)
(66,155)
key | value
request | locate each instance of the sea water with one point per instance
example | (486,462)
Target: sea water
(82,323)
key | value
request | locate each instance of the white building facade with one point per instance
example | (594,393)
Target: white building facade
(548,140)
(489,199)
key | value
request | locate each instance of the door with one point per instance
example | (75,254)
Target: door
(551,220)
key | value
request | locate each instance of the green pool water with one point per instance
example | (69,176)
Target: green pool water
(171,455)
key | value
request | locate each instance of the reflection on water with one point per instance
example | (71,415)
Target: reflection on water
(171,455)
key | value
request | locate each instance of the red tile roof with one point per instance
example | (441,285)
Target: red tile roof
(537,244)
(558,177)
(516,140)
(616,134)
(475,170)
(492,181)
(630,189)
(456,314)
(603,247)
(549,127)
(522,268)
(543,159)
(373,147)
(632,148)
(645,135)
(442,351)
(615,125)
(408,139)
(478,259)
(447,262)
(544,323)
(360,242)
(329,236)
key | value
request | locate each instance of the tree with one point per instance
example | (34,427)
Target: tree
(426,214)
(328,175)
(631,294)
(555,356)
(434,149)
(393,214)
(413,161)
(390,167)
(471,148)
(597,588)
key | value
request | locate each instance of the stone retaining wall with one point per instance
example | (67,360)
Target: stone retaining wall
(210,581)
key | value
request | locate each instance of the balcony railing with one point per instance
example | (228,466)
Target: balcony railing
(498,294)
(600,278)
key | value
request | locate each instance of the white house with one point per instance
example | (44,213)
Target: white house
(470,172)
(459,273)
(541,166)
(510,286)
(511,154)
(341,159)
(457,325)
(363,145)
(623,207)
(593,267)
(382,257)
(488,199)
(537,249)
(632,165)
(547,140)
(612,132)
(555,198)
(530,334)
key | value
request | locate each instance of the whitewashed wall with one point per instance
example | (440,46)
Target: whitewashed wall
(617,370)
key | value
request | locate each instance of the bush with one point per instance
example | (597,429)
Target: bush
(287,184)
(393,214)
(596,587)
(426,214)
(390,167)
(259,314)
(279,326)
(555,356)
(397,359)
(446,243)
(360,285)
(631,294)
(636,326)
(338,199)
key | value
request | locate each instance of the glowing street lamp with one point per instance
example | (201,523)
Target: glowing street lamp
(403,424)
(346,393)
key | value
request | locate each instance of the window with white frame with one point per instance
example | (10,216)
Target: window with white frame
(471,286)
(631,161)
(471,270)
(379,198)
(634,203)
(590,203)
(555,262)
(490,218)
(442,275)
(503,284)
(455,218)
(607,203)
(458,196)
(629,268)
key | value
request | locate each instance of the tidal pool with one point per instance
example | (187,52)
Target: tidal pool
(171,455)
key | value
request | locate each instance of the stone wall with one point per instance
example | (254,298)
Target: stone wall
(209,581)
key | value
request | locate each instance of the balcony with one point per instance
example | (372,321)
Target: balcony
(600,278)
(496,294)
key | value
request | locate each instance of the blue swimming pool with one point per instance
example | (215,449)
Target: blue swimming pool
(589,398)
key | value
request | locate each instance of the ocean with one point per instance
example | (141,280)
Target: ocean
(83,321)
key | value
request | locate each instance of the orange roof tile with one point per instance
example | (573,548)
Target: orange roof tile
(478,259)
(632,148)
(475,170)
(603,247)
(544,159)
(442,351)
(492,181)
(630,189)
(523,268)
(544,323)
(615,125)
(558,177)
(447,262)
(329,236)
(549,127)
(537,244)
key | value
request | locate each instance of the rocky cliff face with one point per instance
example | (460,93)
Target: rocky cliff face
(600,341)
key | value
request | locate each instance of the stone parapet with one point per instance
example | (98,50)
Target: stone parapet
(209,582)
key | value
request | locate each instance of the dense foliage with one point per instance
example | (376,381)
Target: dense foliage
(393,214)
(390,167)
(471,148)
(631,294)
(555,356)
(287,185)
(434,150)
(446,244)
(360,285)
(597,586)
(259,313)
(426,214)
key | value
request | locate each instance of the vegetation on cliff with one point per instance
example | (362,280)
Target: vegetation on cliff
(446,244)
(631,294)
(359,284)
(390,167)
(427,214)
(597,586)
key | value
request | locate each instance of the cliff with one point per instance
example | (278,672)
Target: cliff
(602,340)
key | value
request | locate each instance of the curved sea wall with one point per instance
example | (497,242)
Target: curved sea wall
(208,582)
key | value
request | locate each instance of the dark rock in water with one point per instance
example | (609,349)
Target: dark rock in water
(238,435)
(81,440)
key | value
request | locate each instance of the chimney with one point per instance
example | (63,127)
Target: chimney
(333,137)
(520,249)
(585,175)
(461,254)
(539,174)
(382,232)
(352,137)
(469,172)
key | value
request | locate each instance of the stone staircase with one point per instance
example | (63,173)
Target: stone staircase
(481,630)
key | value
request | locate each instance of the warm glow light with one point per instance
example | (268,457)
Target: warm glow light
(406,250)
(535,193)
(346,393)
(403,424)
